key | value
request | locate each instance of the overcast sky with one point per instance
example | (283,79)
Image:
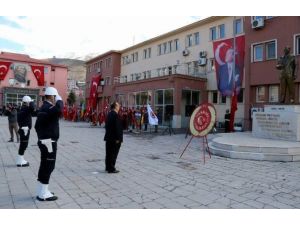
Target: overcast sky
(73,37)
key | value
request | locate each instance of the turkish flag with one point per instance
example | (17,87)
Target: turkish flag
(38,72)
(229,63)
(93,92)
(4,67)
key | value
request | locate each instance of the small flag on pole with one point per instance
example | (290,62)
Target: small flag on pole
(153,120)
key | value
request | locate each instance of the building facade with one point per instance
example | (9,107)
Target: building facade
(265,39)
(108,66)
(24,77)
(175,72)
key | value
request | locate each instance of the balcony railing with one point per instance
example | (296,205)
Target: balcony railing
(186,70)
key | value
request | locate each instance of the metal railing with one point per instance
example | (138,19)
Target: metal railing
(185,69)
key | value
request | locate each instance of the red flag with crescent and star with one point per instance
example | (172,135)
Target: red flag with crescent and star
(38,72)
(93,92)
(4,68)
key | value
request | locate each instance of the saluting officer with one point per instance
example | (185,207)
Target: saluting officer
(25,123)
(47,128)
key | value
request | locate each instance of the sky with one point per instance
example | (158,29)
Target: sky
(77,37)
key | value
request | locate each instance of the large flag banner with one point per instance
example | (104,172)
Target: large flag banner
(38,72)
(229,74)
(93,92)
(4,68)
(153,120)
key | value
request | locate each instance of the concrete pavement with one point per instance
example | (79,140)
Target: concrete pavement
(152,175)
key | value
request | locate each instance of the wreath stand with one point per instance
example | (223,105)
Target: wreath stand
(201,123)
(205,147)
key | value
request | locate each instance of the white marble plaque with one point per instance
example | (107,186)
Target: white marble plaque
(277,123)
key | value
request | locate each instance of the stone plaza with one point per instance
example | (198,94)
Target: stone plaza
(151,175)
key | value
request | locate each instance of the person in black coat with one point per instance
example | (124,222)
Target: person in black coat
(24,119)
(113,137)
(227,121)
(47,128)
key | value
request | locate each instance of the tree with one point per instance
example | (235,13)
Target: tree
(71,98)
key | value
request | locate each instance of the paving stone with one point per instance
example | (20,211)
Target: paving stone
(150,176)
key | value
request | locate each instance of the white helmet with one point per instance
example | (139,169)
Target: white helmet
(51,91)
(26,98)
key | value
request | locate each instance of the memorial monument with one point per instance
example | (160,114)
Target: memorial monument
(275,132)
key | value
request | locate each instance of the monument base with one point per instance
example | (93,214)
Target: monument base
(244,145)
(277,122)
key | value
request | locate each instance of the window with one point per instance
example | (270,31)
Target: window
(273,93)
(107,81)
(176,44)
(149,52)
(297,45)
(159,96)
(189,40)
(260,94)
(28,82)
(197,38)
(270,50)
(145,54)
(238,26)
(168,96)
(258,53)
(223,99)
(159,49)
(215,97)
(212,64)
(170,46)
(195,97)
(46,70)
(269,17)
(136,56)
(213,33)
(222,31)
(240,97)
(164,48)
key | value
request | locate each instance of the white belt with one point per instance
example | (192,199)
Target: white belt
(48,144)
(25,129)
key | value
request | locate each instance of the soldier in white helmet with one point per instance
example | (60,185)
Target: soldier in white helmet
(24,119)
(47,128)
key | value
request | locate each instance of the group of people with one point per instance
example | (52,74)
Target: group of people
(131,118)
(47,129)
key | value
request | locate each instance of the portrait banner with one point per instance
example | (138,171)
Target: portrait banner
(229,72)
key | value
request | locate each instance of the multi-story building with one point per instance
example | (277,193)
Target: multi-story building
(175,71)
(108,66)
(24,76)
(265,39)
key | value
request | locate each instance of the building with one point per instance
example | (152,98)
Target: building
(175,71)
(21,75)
(266,38)
(108,66)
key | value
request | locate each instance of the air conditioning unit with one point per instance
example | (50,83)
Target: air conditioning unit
(202,61)
(98,70)
(258,23)
(203,54)
(185,52)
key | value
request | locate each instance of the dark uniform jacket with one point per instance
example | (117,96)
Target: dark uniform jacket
(113,128)
(24,116)
(47,122)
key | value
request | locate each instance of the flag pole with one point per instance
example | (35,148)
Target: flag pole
(233,100)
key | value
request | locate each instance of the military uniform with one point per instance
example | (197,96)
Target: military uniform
(24,119)
(47,128)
